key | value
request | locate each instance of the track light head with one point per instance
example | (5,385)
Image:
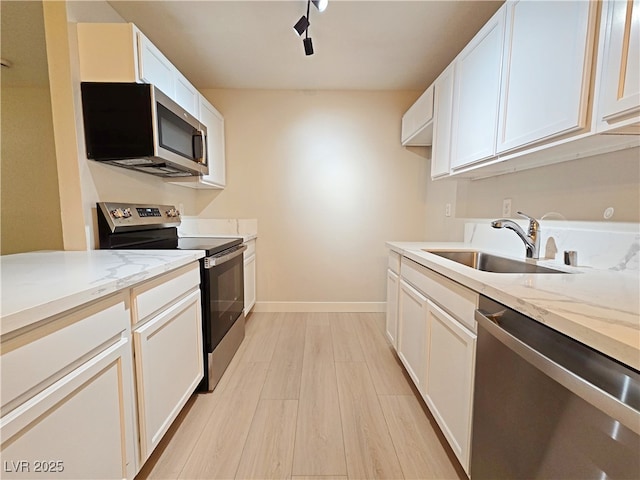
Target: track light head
(301,25)
(308,46)
(321,5)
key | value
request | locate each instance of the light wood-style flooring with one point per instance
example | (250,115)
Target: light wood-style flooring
(308,395)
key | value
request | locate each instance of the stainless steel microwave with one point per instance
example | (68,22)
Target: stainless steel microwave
(136,126)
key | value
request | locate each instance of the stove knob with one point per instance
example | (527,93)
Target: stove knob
(126,213)
(172,212)
(117,213)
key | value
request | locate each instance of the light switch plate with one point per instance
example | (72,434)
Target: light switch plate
(506,207)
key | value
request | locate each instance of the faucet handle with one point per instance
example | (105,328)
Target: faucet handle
(533,223)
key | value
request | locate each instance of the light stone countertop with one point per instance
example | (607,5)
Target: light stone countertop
(600,308)
(37,285)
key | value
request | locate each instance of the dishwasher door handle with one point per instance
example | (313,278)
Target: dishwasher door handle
(600,399)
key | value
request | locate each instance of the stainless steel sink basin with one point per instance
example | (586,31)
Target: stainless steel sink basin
(491,263)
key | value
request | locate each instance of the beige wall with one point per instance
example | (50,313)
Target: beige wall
(327,179)
(30,207)
(579,190)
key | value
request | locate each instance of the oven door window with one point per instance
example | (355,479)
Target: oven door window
(225,299)
(177,136)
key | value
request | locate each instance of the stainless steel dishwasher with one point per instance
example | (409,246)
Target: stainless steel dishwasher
(547,406)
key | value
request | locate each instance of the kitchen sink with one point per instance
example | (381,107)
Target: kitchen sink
(491,263)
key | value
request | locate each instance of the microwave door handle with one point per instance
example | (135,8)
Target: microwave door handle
(199,147)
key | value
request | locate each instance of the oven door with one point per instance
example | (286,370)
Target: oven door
(223,294)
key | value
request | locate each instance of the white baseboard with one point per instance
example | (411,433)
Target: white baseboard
(368,307)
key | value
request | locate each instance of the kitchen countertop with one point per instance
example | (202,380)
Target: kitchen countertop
(600,308)
(37,285)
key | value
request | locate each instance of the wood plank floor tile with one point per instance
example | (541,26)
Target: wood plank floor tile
(261,343)
(318,344)
(268,451)
(218,451)
(285,369)
(346,346)
(387,373)
(418,446)
(316,477)
(319,447)
(370,453)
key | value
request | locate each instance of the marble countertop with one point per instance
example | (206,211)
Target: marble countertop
(37,285)
(600,308)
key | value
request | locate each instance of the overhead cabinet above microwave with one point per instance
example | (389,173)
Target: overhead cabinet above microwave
(120,52)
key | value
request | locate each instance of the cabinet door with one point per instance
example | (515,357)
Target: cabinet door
(416,122)
(393,285)
(546,70)
(412,333)
(82,426)
(154,67)
(443,105)
(214,122)
(449,391)
(249,283)
(186,94)
(169,366)
(477,94)
(620,74)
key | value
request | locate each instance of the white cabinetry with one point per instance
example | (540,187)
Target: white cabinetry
(417,127)
(546,71)
(249,258)
(68,396)
(436,344)
(167,335)
(450,373)
(412,333)
(620,66)
(393,290)
(120,52)
(443,109)
(477,94)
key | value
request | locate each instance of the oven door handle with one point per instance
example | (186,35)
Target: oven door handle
(216,260)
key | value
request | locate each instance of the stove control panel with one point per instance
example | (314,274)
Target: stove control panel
(128,216)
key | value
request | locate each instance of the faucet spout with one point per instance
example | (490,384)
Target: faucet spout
(531,238)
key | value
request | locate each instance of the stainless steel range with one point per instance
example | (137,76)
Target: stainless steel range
(134,226)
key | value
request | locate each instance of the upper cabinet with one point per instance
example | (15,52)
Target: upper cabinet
(476,94)
(546,71)
(120,52)
(442,113)
(619,102)
(417,121)
(537,85)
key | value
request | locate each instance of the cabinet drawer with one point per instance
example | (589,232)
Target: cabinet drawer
(394,262)
(155,294)
(35,359)
(251,248)
(459,301)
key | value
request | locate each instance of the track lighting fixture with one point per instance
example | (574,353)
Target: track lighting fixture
(321,5)
(302,25)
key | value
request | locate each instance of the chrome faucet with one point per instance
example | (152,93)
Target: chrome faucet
(531,239)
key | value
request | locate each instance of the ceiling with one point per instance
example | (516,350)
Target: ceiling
(359,45)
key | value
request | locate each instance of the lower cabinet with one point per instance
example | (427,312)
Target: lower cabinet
(393,286)
(249,276)
(412,333)
(437,346)
(450,373)
(79,422)
(169,360)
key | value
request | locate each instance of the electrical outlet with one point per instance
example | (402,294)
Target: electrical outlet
(506,207)
(447,210)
